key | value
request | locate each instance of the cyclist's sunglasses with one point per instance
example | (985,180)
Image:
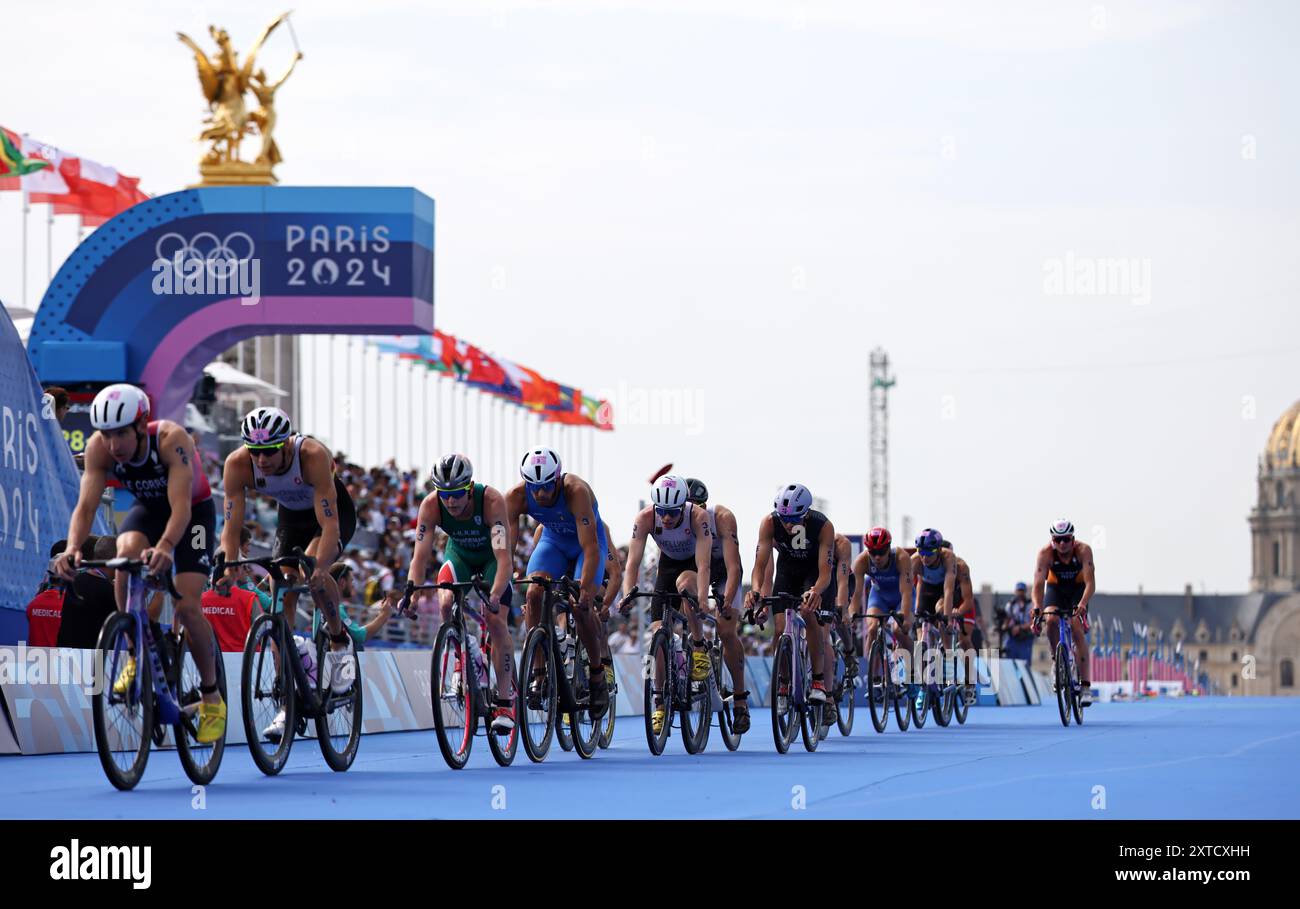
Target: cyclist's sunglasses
(878,552)
(455,493)
(264,449)
(788,518)
(1067,539)
(927,553)
(540,487)
(669,512)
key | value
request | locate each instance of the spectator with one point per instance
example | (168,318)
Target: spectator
(341,572)
(1016,626)
(620,638)
(90,599)
(45,611)
(231,608)
(59,400)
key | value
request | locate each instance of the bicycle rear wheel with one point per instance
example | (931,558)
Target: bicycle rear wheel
(901,695)
(847,689)
(1076,693)
(658,692)
(537,672)
(200,760)
(783,709)
(878,684)
(697,712)
(607,721)
(1062,669)
(451,686)
(962,679)
(267,687)
(338,726)
(810,712)
(123,723)
(919,695)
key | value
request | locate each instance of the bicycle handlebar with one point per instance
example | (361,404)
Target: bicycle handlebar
(136,567)
(296,558)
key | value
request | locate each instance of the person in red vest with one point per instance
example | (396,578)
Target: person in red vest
(45,611)
(231,608)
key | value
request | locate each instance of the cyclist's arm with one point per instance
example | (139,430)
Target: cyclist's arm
(636,548)
(703,556)
(1040,579)
(426,522)
(580,499)
(235,480)
(1089,573)
(318,470)
(613,572)
(949,580)
(93,482)
(494,515)
(843,555)
(176,450)
(725,522)
(905,584)
(761,578)
(860,584)
(826,555)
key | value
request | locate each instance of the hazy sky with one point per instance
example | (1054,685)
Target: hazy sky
(741,200)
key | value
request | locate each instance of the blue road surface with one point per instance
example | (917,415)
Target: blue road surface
(1168,758)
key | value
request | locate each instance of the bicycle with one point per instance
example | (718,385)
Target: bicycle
(887,674)
(957,687)
(550,691)
(164,691)
(668,683)
(928,694)
(1065,669)
(461,679)
(791,678)
(846,678)
(274,678)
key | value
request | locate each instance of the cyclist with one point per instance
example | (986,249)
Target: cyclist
(682,532)
(835,600)
(805,543)
(963,612)
(315,513)
(934,575)
(888,573)
(1064,577)
(171,525)
(726,573)
(475,520)
(573,544)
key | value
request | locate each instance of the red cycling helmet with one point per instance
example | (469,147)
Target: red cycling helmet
(877,539)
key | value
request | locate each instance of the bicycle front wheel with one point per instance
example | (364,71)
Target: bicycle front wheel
(123,722)
(200,760)
(270,709)
(584,728)
(451,688)
(1063,672)
(783,709)
(879,684)
(537,673)
(727,694)
(657,670)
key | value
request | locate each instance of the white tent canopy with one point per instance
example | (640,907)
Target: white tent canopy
(227,375)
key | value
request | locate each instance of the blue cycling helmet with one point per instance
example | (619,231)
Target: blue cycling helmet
(929,540)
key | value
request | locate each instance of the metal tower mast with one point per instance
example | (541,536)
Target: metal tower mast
(881,382)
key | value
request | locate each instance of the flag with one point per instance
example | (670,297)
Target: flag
(598,413)
(72,184)
(536,391)
(15,164)
(446,357)
(483,371)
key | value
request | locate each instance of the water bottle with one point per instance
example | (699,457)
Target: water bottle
(679,661)
(480,665)
(307,655)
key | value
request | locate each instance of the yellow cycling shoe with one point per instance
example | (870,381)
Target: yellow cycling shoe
(657,720)
(701,666)
(212,722)
(125,677)
(609,675)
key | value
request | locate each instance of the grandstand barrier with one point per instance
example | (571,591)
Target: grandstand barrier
(40,716)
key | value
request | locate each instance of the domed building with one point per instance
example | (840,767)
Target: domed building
(1241,644)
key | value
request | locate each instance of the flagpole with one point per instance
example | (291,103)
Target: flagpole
(49,245)
(26,208)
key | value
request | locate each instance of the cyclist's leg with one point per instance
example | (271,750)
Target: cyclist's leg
(293,530)
(588,630)
(548,561)
(453,571)
(326,592)
(193,561)
(138,528)
(733,651)
(498,631)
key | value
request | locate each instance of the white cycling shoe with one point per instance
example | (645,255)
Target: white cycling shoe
(341,666)
(275,731)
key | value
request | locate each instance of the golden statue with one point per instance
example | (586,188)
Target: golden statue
(224,82)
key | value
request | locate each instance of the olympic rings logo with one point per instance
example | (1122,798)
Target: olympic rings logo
(219,256)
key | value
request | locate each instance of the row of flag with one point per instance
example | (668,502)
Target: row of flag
(1141,662)
(464,362)
(73,185)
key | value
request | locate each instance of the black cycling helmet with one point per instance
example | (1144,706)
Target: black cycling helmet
(698,493)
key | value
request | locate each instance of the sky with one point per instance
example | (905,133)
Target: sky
(732,204)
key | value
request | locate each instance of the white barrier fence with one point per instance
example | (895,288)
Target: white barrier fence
(45,694)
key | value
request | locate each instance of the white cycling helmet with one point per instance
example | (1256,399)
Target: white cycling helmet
(265,426)
(540,465)
(670,491)
(452,471)
(118,405)
(792,501)
(1062,528)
